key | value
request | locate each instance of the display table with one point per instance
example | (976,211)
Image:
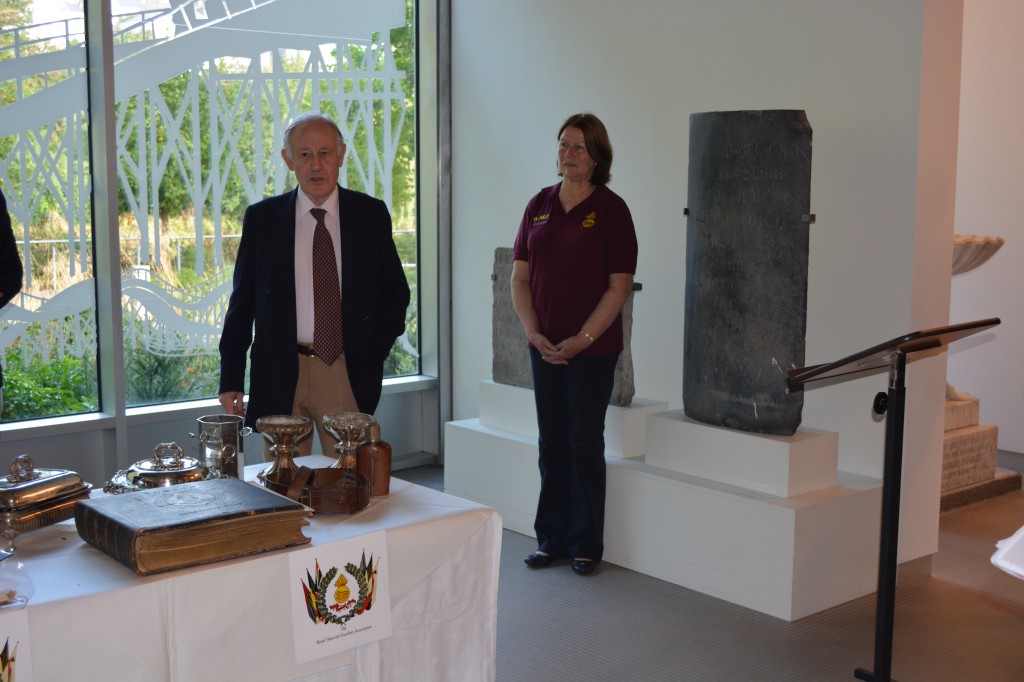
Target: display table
(93,619)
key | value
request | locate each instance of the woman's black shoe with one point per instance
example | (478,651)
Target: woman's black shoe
(539,560)
(583,566)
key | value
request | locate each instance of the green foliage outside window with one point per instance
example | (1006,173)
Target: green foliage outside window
(64,386)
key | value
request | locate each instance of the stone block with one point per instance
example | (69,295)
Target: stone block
(969,456)
(747,237)
(961,413)
(510,360)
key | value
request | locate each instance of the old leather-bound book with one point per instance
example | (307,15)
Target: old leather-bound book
(188,524)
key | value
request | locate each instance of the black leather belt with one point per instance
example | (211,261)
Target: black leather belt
(305,349)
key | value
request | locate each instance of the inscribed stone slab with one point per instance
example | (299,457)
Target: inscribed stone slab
(969,455)
(749,188)
(510,363)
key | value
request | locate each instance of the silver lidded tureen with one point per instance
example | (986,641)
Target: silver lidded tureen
(168,466)
(32,497)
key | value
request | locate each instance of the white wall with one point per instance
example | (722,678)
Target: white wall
(990,201)
(856,68)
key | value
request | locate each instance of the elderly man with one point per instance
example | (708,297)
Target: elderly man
(319,276)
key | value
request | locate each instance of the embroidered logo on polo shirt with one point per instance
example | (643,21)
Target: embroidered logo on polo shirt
(543,218)
(590,220)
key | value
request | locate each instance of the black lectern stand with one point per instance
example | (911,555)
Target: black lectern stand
(893,353)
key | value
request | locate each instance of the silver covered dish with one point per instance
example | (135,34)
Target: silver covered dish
(31,498)
(168,466)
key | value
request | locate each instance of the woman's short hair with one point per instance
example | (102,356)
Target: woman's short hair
(595,136)
(303,120)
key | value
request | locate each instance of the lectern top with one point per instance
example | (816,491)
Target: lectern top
(880,355)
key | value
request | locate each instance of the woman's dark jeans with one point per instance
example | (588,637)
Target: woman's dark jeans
(571,404)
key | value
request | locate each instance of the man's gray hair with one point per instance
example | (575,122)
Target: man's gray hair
(303,120)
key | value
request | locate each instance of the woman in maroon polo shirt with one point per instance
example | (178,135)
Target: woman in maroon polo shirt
(573,265)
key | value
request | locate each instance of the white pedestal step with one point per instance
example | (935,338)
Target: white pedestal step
(778,465)
(709,517)
(511,408)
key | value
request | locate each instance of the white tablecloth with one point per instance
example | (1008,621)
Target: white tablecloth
(93,619)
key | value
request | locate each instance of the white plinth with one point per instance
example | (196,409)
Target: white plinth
(511,408)
(779,465)
(788,557)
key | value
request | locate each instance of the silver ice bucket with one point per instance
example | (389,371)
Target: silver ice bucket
(220,443)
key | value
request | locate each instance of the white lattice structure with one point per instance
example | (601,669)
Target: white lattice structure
(240,70)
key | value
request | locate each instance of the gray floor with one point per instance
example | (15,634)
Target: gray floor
(966,622)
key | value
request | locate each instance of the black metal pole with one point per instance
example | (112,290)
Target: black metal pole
(889,544)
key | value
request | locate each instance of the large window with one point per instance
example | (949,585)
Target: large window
(48,332)
(204,91)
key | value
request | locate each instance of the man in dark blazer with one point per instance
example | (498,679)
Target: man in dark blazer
(11,270)
(271,305)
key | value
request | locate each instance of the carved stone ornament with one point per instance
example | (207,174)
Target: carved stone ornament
(970,251)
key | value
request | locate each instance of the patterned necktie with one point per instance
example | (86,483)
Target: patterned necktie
(327,335)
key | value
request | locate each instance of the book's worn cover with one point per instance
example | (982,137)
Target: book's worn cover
(215,520)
